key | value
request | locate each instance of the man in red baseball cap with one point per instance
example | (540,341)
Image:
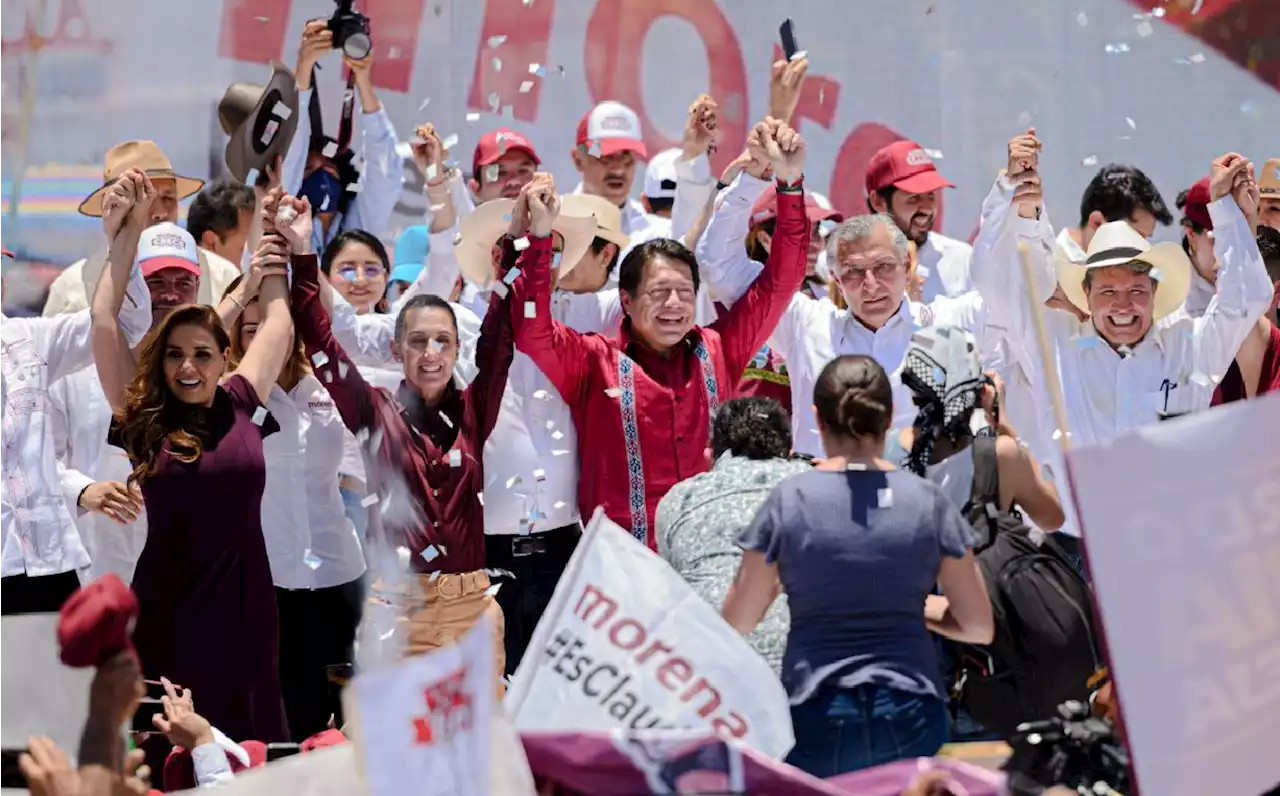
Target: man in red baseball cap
(503,163)
(903,183)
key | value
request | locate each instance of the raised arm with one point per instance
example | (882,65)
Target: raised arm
(694,186)
(1244,291)
(496,347)
(748,324)
(126,212)
(269,350)
(723,263)
(559,352)
(382,177)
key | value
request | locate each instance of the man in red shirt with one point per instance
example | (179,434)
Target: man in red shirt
(643,401)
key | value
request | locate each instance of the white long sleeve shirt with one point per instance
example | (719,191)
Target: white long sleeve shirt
(812,332)
(81,419)
(40,537)
(1173,369)
(943,264)
(310,542)
(381,172)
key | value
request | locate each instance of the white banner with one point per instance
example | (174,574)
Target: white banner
(626,644)
(1184,545)
(426,720)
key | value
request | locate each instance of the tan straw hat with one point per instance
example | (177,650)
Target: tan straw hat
(485,225)
(261,121)
(1269,179)
(143,155)
(1117,243)
(608,216)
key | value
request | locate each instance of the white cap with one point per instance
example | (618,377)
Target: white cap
(167,245)
(611,127)
(660,175)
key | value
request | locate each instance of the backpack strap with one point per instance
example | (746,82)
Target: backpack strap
(984,501)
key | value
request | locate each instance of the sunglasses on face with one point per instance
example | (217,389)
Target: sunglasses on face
(354,272)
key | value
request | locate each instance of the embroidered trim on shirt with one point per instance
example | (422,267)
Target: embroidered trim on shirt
(631,431)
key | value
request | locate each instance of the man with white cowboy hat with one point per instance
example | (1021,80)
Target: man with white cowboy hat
(71,290)
(532,522)
(1119,369)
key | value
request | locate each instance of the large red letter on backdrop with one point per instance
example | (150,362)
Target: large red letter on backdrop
(615,42)
(394,25)
(848,186)
(818,98)
(253,30)
(527,30)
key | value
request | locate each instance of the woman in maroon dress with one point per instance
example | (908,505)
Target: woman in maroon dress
(207,616)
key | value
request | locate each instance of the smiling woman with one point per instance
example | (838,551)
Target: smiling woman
(357,265)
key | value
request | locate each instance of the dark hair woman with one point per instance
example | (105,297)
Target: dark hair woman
(317,561)
(857,547)
(194,433)
(424,441)
(358,267)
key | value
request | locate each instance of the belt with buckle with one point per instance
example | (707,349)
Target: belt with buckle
(524,546)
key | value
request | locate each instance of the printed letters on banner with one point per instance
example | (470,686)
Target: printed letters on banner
(1184,546)
(424,723)
(626,644)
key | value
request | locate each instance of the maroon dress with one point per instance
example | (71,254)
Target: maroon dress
(207,617)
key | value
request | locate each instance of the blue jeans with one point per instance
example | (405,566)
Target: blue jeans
(358,514)
(848,729)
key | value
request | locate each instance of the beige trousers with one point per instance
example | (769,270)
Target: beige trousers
(450,605)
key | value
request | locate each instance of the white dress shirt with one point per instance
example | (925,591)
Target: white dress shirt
(811,332)
(310,542)
(81,419)
(1173,369)
(943,264)
(40,537)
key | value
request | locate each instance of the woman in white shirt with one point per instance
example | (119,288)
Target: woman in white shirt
(317,563)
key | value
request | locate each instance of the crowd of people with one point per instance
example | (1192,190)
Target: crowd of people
(265,421)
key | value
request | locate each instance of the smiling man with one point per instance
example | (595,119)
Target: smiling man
(904,184)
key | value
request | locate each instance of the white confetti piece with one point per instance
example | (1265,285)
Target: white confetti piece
(550,424)
(262,19)
(473,117)
(432,171)
(856,466)
(1145,29)
(424,104)
(1157,274)
(495,41)
(319,359)
(614,392)
(536,69)
(492,590)
(539,475)
(451,140)
(798,55)
(446,420)
(328,377)
(325,204)
(1082,19)
(480,497)
(511,277)
(530,309)
(936,154)
(526,86)
(1091,160)
(342,369)
(497,64)
(431,577)
(375,440)
(494,101)
(282,110)
(259,415)
(269,132)
(369,499)
(455,458)
(362,436)
(593,149)
(491,173)
(330,149)
(923,271)
(312,560)
(1120,47)
(512,481)
(523,527)
(501,290)
(520,244)
(435,346)
(541,395)
(884,497)
(560,453)
(1057,434)
(402,555)
(559,504)
(1132,124)
(1196,58)
(557,435)
(430,553)
(354,187)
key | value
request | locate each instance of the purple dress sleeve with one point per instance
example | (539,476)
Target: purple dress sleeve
(245,400)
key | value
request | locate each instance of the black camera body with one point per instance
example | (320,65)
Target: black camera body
(350,31)
(1073,750)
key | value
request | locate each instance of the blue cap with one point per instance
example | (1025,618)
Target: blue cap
(410,254)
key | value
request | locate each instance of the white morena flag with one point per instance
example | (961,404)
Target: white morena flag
(626,644)
(424,723)
(1184,545)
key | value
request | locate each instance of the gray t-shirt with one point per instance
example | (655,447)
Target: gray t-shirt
(857,552)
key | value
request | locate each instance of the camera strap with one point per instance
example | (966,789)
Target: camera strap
(345,124)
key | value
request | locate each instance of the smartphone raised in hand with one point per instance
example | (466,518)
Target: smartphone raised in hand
(788,33)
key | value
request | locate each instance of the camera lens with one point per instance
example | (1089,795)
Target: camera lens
(357,46)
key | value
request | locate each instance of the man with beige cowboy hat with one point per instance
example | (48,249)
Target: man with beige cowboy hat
(71,290)
(1119,368)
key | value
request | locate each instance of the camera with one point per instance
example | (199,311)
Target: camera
(1073,750)
(350,31)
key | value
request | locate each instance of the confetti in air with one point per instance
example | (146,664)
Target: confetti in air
(455,458)
(445,419)
(512,481)
(1145,29)
(494,102)
(369,499)
(520,244)
(1091,160)
(541,395)
(1132,124)
(884,497)
(936,154)
(259,416)
(1120,47)
(424,104)
(319,359)
(530,309)
(536,69)
(450,141)
(511,277)
(1196,58)
(497,64)
(430,553)
(282,110)
(494,41)
(501,290)
(526,87)
(613,392)
(311,559)
(539,475)
(492,590)
(491,175)
(355,187)
(330,149)
(1082,19)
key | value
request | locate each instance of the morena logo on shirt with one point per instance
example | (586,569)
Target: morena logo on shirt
(918,157)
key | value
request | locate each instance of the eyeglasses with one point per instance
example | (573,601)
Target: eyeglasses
(883,272)
(354,272)
(662,293)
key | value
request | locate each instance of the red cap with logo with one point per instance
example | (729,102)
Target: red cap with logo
(611,127)
(496,143)
(905,165)
(766,208)
(1196,208)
